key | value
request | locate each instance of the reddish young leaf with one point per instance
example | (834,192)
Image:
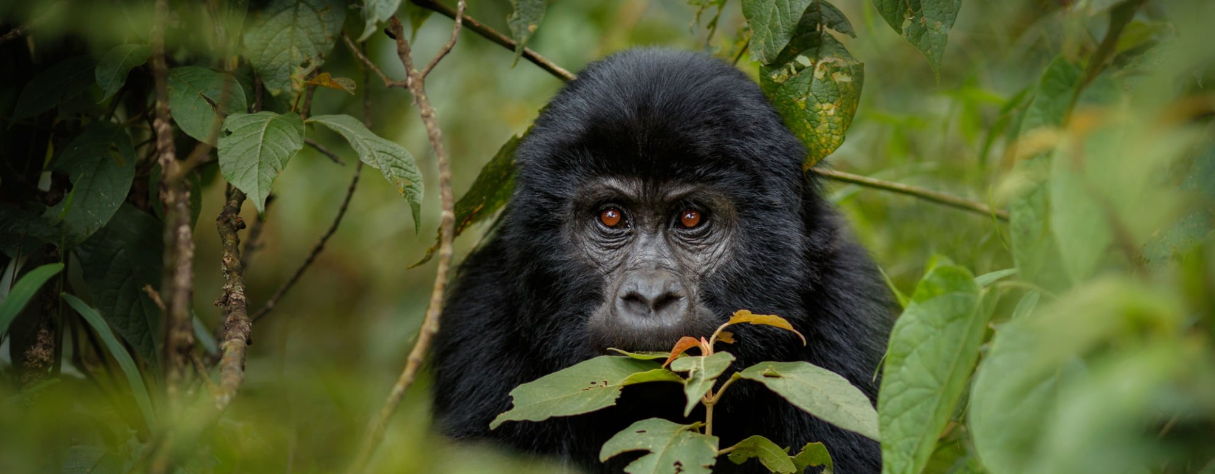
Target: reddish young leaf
(685,343)
(744,316)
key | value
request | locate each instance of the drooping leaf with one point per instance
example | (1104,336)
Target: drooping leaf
(932,349)
(992,277)
(773,457)
(814,455)
(340,83)
(773,23)
(255,149)
(101,164)
(24,290)
(393,160)
(118,261)
(743,316)
(112,70)
(927,24)
(50,87)
(671,448)
(585,387)
(681,346)
(815,84)
(702,373)
(375,12)
(288,39)
(138,389)
(194,99)
(820,392)
(524,19)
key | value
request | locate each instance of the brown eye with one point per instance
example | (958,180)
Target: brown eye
(610,217)
(690,218)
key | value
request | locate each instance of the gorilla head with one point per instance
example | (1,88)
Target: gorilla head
(657,194)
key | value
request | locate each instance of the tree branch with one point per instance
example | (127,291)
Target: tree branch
(925,194)
(499,38)
(324,151)
(237,326)
(430,325)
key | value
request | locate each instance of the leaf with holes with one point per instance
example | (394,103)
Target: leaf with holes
(101,164)
(393,160)
(194,98)
(112,70)
(48,88)
(702,373)
(670,448)
(925,23)
(772,24)
(524,19)
(585,387)
(375,12)
(288,39)
(255,148)
(819,392)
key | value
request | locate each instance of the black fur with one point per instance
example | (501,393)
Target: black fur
(519,307)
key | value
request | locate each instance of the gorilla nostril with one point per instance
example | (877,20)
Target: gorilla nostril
(665,301)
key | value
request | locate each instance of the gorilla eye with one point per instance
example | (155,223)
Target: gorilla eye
(611,217)
(689,218)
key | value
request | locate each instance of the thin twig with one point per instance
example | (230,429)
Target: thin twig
(237,325)
(324,151)
(25,29)
(447,218)
(451,42)
(742,50)
(358,54)
(925,194)
(499,38)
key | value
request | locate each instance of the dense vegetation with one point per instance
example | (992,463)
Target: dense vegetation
(1036,179)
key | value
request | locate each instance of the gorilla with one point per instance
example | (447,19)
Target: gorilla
(657,194)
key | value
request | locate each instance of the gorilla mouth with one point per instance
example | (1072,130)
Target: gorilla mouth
(633,334)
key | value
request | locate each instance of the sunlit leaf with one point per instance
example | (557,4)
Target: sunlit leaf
(681,346)
(112,70)
(374,13)
(670,448)
(194,99)
(138,389)
(340,83)
(820,392)
(393,160)
(773,457)
(50,87)
(523,21)
(255,149)
(743,316)
(933,347)
(702,373)
(585,387)
(101,164)
(24,290)
(925,23)
(772,24)
(288,39)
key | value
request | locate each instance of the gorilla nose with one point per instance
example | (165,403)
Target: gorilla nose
(652,294)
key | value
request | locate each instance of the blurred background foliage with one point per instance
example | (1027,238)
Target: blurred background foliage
(323,360)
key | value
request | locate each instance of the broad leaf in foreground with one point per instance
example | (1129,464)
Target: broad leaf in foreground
(101,164)
(112,70)
(820,392)
(933,348)
(24,290)
(702,373)
(288,39)
(194,98)
(928,24)
(585,387)
(255,149)
(670,448)
(50,87)
(393,160)
(772,24)
(523,21)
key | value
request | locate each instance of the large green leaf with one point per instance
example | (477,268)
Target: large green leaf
(138,389)
(524,18)
(820,392)
(374,12)
(585,387)
(671,448)
(928,23)
(932,349)
(118,261)
(773,457)
(1077,219)
(24,290)
(288,39)
(50,87)
(256,148)
(112,70)
(393,160)
(101,164)
(815,83)
(194,98)
(702,373)
(772,24)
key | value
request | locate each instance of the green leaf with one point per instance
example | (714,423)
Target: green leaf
(393,160)
(585,387)
(524,18)
(112,70)
(101,164)
(24,230)
(23,291)
(670,448)
(814,455)
(120,354)
(1026,305)
(1077,220)
(489,192)
(374,12)
(50,87)
(992,277)
(417,17)
(773,457)
(118,261)
(820,392)
(288,39)
(256,148)
(815,84)
(194,98)
(928,23)
(1053,96)
(640,355)
(702,373)
(773,23)
(933,347)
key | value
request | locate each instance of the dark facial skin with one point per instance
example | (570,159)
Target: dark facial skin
(653,244)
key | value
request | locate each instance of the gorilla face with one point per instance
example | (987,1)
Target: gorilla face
(653,244)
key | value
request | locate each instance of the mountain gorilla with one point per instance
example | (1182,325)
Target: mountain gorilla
(657,194)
